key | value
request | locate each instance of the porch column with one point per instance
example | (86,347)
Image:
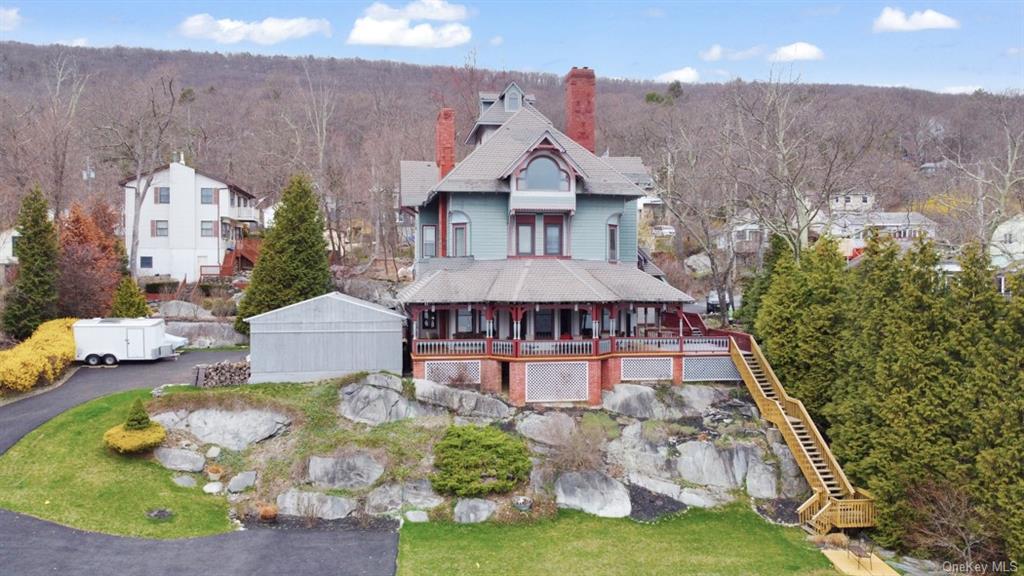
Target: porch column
(679,310)
(595,327)
(416,312)
(489,317)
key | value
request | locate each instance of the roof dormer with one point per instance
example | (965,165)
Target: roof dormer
(513,98)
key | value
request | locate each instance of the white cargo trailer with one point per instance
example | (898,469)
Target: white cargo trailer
(112,340)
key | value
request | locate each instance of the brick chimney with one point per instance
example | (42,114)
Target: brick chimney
(579,106)
(444,141)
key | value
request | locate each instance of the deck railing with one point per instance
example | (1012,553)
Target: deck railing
(647,344)
(556,347)
(450,347)
(503,348)
(705,344)
(571,348)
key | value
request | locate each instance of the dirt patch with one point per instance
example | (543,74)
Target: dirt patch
(648,506)
(779,510)
(221,400)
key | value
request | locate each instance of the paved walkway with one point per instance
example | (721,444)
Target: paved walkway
(30,547)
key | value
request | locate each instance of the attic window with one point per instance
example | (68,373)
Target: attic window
(543,173)
(513,101)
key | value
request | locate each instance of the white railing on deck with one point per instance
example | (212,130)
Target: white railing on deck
(450,347)
(556,347)
(647,344)
(604,346)
(502,348)
(705,344)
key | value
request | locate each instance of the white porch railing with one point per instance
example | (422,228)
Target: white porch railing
(604,346)
(450,347)
(556,347)
(647,344)
(705,344)
(503,348)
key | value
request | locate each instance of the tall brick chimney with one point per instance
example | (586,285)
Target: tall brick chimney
(579,106)
(444,141)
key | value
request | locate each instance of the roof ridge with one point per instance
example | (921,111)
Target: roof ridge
(570,270)
(472,153)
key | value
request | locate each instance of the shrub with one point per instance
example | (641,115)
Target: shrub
(41,358)
(129,302)
(133,441)
(583,450)
(220,307)
(474,461)
(138,419)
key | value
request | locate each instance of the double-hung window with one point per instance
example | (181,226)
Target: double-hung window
(460,240)
(524,235)
(162,195)
(161,228)
(206,195)
(552,235)
(428,246)
(613,243)
(206,229)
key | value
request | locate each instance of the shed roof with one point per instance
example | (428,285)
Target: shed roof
(338,296)
(529,280)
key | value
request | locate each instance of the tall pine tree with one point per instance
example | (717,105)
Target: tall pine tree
(33,299)
(293,262)
(759,285)
(779,315)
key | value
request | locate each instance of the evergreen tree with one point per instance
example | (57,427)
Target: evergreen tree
(293,262)
(138,419)
(872,301)
(129,301)
(89,267)
(759,284)
(33,298)
(819,328)
(779,316)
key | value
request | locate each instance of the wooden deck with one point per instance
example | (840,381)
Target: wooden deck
(852,565)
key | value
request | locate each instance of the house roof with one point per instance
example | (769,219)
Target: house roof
(232,187)
(631,167)
(884,219)
(332,296)
(529,281)
(417,178)
(648,264)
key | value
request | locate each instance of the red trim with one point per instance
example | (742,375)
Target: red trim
(442,221)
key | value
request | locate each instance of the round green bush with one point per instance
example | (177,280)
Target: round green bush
(127,441)
(474,461)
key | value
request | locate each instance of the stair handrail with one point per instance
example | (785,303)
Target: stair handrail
(788,402)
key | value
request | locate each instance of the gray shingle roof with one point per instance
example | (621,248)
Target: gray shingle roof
(631,167)
(537,280)
(417,179)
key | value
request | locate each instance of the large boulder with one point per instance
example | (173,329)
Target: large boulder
(206,334)
(794,485)
(420,494)
(637,401)
(314,504)
(386,499)
(461,402)
(232,429)
(182,309)
(180,460)
(379,398)
(698,398)
(474,510)
(702,463)
(353,471)
(761,481)
(551,428)
(391,498)
(691,496)
(594,493)
(242,481)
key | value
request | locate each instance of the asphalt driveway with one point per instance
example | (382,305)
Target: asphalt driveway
(30,547)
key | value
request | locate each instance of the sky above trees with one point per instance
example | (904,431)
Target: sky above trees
(940,46)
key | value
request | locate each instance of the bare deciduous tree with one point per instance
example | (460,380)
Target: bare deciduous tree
(57,122)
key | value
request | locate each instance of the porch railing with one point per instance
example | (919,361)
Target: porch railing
(703,344)
(503,348)
(450,347)
(647,344)
(556,347)
(604,346)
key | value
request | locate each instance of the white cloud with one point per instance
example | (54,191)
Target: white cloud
(497,41)
(685,75)
(654,12)
(796,51)
(382,25)
(266,31)
(896,20)
(10,18)
(716,52)
(1014,51)
(959,89)
(76,42)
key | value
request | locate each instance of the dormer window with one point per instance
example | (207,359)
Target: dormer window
(543,173)
(513,101)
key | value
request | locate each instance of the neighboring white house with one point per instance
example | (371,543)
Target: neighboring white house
(7,258)
(188,220)
(858,202)
(851,228)
(1007,247)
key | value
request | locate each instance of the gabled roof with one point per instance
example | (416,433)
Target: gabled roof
(330,296)
(417,178)
(232,187)
(631,167)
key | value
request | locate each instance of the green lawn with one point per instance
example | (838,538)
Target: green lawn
(63,472)
(733,541)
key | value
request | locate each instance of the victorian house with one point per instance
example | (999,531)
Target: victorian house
(528,278)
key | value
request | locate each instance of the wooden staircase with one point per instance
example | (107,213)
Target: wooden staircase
(835,504)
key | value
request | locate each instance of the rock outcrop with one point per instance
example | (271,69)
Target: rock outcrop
(474,510)
(551,428)
(314,504)
(180,460)
(351,472)
(461,402)
(594,493)
(380,398)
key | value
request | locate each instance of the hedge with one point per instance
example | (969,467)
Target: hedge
(41,358)
(479,460)
(132,441)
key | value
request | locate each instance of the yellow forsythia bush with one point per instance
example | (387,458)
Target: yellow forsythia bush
(41,358)
(132,441)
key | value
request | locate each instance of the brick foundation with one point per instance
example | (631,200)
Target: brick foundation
(611,374)
(490,376)
(418,369)
(517,383)
(594,382)
(677,370)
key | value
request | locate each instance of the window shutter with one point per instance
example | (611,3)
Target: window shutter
(152,228)
(156,194)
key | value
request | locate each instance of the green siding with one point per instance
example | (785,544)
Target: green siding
(488,223)
(425,216)
(590,227)
(628,233)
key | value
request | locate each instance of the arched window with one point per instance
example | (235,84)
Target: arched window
(612,238)
(543,173)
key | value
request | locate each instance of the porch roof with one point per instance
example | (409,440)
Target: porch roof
(536,280)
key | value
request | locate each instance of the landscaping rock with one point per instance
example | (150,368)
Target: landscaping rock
(386,499)
(242,482)
(213,453)
(184,481)
(221,374)
(213,487)
(699,398)
(354,471)
(594,493)
(474,510)
(298,503)
(379,398)
(794,484)
(420,493)
(171,420)
(637,401)
(552,428)
(182,309)
(207,333)
(461,402)
(235,430)
(417,516)
(702,463)
(761,480)
(180,460)
(542,476)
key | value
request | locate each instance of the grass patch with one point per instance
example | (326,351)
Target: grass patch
(730,541)
(603,422)
(62,472)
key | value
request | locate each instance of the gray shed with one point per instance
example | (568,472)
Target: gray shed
(324,337)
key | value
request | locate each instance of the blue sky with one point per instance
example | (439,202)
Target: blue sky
(940,46)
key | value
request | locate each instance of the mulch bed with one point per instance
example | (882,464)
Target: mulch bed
(361,524)
(648,506)
(779,510)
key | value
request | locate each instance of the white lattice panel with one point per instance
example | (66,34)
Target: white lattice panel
(709,370)
(452,371)
(646,369)
(556,382)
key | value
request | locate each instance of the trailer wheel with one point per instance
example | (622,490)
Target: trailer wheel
(110,360)
(92,360)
